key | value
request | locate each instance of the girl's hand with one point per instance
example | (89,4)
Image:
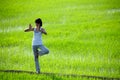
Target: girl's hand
(30,26)
(29,29)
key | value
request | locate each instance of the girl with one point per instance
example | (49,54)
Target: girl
(37,42)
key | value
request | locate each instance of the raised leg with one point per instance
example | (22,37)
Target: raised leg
(43,50)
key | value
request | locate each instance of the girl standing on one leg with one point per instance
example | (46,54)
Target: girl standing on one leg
(37,42)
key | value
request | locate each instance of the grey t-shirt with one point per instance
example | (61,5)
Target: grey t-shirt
(37,37)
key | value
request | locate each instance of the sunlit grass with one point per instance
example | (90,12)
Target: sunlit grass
(24,76)
(83,36)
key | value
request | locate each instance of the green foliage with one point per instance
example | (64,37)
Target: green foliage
(83,37)
(24,76)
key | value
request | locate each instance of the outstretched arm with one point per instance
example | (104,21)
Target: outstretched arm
(29,29)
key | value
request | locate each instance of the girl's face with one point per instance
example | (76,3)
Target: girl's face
(37,25)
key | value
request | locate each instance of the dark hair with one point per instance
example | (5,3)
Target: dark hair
(39,21)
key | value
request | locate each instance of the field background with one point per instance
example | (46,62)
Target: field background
(83,37)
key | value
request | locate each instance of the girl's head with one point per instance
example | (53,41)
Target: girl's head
(38,22)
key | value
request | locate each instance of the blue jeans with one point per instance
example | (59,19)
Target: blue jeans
(39,50)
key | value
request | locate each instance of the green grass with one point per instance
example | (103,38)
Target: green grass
(24,76)
(83,37)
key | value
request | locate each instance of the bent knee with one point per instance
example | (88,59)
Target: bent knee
(47,51)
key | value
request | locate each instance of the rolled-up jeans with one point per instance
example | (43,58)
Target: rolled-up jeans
(39,50)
